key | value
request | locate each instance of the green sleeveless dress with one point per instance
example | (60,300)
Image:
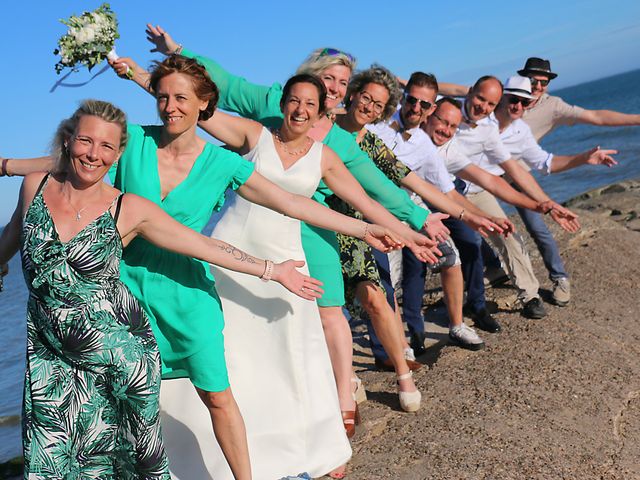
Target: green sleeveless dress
(177,292)
(93,372)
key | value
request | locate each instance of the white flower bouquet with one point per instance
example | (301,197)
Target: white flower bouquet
(89,40)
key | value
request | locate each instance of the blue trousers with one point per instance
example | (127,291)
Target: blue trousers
(385,277)
(534,223)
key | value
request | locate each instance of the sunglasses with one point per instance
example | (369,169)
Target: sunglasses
(535,81)
(334,52)
(513,100)
(411,100)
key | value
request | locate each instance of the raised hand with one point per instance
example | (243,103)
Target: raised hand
(124,67)
(435,228)
(287,275)
(601,157)
(161,39)
(382,239)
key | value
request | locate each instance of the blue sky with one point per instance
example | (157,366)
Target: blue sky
(265,41)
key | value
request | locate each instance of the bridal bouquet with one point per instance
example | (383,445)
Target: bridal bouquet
(89,40)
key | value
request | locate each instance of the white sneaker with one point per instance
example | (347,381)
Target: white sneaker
(409,354)
(465,337)
(561,291)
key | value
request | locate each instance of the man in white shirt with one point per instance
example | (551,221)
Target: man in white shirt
(402,134)
(441,127)
(519,140)
(478,138)
(546,112)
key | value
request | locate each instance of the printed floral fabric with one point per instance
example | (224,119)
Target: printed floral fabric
(358,262)
(93,370)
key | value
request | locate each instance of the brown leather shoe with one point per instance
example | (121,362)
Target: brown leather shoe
(350,419)
(387,366)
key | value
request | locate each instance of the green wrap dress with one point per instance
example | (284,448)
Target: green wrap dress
(262,103)
(177,292)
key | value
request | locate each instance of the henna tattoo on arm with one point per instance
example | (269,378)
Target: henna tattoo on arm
(237,253)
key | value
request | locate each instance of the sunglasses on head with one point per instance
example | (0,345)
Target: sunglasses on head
(513,100)
(334,52)
(535,81)
(411,100)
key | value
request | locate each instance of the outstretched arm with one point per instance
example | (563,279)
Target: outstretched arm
(24,166)
(595,156)
(259,190)
(239,133)
(142,217)
(344,185)
(609,118)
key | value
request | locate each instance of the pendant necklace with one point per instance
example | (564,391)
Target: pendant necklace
(276,133)
(78,212)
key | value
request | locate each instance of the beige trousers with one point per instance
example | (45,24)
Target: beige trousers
(511,249)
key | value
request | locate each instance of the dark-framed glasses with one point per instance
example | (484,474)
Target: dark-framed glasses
(449,125)
(367,100)
(411,100)
(514,99)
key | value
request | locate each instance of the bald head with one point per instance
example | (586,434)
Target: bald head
(483,97)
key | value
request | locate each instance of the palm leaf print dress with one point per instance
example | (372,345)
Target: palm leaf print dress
(93,369)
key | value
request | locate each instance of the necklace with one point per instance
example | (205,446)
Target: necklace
(78,212)
(294,153)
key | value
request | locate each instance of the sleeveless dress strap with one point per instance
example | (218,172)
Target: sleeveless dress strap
(118,202)
(42,183)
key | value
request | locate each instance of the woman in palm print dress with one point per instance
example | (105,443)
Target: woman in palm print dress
(93,369)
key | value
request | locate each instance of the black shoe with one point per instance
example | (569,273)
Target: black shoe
(534,309)
(417,343)
(483,320)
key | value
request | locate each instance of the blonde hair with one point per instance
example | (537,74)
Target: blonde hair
(322,58)
(66,129)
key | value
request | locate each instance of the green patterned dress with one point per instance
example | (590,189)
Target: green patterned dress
(93,370)
(356,257)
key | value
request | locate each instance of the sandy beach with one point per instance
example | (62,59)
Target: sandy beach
(557,398)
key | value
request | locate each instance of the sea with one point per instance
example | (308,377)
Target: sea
(618,92)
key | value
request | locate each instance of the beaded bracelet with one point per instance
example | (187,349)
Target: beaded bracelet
(366,231)
(268,271)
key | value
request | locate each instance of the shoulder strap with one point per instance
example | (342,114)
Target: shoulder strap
(118,205)
(42,183)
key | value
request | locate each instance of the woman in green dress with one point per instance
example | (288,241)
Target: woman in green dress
(93,369)
(262,103)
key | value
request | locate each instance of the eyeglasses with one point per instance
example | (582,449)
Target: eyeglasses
(365,99)
(535,81)
(334,52)
(411,100)
(449,125)
(514,99)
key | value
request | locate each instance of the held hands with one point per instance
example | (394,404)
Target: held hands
(287,275)
(161,39)
(595,156)
(435,228)
(382,239)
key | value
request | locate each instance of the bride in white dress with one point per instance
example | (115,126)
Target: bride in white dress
(276,352)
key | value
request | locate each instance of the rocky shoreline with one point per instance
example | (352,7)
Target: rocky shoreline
(557,398)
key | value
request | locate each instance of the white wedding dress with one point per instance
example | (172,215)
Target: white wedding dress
(279,366)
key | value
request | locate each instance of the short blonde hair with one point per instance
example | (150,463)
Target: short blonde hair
(322,58)
(67,128)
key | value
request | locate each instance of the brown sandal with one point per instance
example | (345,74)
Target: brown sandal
(351,418)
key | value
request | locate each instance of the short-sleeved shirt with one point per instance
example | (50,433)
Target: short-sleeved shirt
(549,112)
(417,151)
(480,142)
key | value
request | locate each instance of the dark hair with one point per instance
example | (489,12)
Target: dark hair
(421,79)
(483,79)
(380,76)
(305,78)
(451,101)
(204,88)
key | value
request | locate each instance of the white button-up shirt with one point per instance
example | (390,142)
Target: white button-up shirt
(417,152)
